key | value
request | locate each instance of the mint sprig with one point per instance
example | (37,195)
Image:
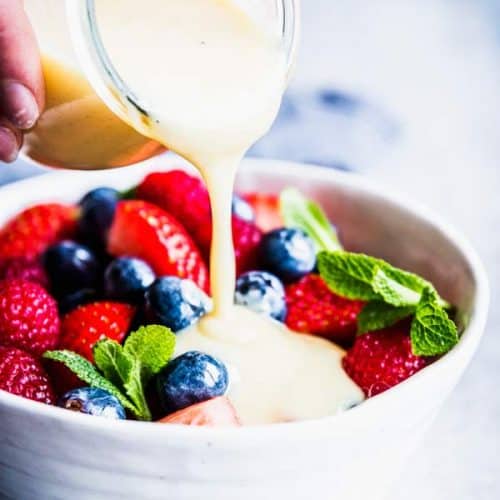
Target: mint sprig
(124,371)
(87,372)
(391,294)
(297,211)
(432,331)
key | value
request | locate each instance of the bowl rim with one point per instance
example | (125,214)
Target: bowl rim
(363,414)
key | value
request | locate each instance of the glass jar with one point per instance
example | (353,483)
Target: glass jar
(90,112)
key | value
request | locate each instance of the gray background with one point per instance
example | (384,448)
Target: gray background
(418,110)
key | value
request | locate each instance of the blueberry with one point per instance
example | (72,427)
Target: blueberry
(288,253)
(97,211)
(92,401)
(71,267)
(191,378)
(263,293)
(242,209)
(127,279)
(175,303)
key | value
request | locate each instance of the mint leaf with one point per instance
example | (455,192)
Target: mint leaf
(86,372)
(378,315)
(109,358)
(153,347)
(297,211)
(432,331)
(392,291)
(349,275)
(135,388)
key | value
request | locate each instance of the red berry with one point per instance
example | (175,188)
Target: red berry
(83,327)
(380,360)
(24,269)
(30,232)
(246,239)
(28,317)
(23,375)
(217,412)
(186,198)
(141,229)
(313,308)
(266,209)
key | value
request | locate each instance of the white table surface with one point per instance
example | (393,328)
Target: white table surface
(432,69)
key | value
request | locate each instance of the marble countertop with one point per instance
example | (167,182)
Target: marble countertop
(408,92)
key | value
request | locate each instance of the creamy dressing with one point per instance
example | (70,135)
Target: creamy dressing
(213,80)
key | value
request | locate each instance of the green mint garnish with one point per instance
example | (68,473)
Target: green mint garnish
(297,211)
(87,372)
(377,315)
(124,371)
(392,294)
(432,331)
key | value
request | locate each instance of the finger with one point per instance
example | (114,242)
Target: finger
(10,142)
(21,80)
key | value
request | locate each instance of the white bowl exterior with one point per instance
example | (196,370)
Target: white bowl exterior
(46,452)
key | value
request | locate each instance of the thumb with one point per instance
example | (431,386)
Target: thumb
(21,80)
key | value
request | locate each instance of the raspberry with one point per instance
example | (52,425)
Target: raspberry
(23,375)
(380,360)
(28,317)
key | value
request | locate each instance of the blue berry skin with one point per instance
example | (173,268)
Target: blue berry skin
(191,378)
(261,292)
(71,267)
(127,279)
(242,209)
(93,401)
(97,211)
(288,253)
(175,303)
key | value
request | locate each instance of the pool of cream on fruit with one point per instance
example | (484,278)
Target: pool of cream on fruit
(213,79)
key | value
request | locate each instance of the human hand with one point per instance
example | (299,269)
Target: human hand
(21,79)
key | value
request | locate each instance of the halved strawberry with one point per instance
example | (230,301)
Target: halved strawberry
(266,209)
(141,229)
(217,412)
(31,231)
(186,198)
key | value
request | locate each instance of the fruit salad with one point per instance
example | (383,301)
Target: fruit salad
(94,296)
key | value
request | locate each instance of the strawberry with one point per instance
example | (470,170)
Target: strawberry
(141,229)
(246,239)
(23,375)
(380,360)
(217,412)
(266,209)
(313,308)
(28,317)
(24,269)
(83,327)
(30,232)
(186,198)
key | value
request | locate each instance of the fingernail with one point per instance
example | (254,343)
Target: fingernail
(18,104)
(8,145)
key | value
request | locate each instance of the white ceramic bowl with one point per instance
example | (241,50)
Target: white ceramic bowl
(46,452)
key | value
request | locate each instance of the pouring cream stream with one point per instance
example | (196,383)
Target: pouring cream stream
(213,79)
